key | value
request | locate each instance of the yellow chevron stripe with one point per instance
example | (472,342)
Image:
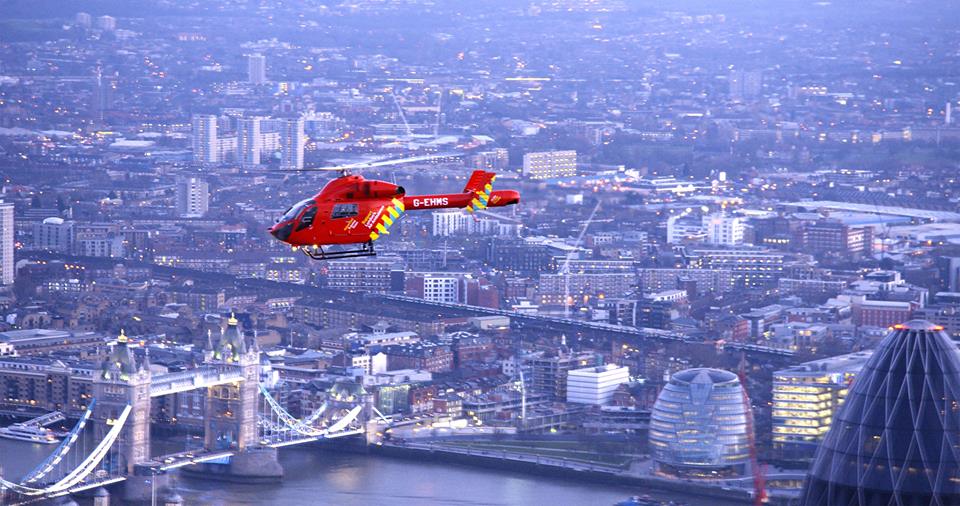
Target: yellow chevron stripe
(387,220)
(393,212)
(488,187)
(374,236)
(399,204)
(382,229)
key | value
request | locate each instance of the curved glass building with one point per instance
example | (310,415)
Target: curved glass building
(698,427)
(896,439)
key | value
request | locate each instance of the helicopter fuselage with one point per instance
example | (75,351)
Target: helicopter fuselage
(354,210)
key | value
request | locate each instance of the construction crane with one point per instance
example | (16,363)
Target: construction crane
(436,126)
(565,270)
(402,115)
(759,472)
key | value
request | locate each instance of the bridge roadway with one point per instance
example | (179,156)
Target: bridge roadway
(412,308)
(187,458)
(200,377)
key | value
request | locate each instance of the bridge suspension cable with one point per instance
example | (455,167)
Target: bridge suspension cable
(291,423)
(80,473)
(54,458)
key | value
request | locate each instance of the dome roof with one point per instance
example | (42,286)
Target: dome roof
(705,375)
(896,439)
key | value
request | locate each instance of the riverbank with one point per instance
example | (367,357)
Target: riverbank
(572,469)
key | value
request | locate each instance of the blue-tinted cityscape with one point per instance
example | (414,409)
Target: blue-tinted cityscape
(503,252)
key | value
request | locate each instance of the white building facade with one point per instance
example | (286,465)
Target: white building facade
(595,385)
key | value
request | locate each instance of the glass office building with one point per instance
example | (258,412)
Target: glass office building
(896,439)
(698,426)
(805,398)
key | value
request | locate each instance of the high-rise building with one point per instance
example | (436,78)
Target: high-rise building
(583,287)
(949,270)
(193,197)
(595,385)
(204,139)
(83,19)
(750,267)
(724,230)
(291,143)
(745,84)
(495,160)
(833,236)
(550,373)
(249,142)
(6,243)
(450,223)
(698,426)
(361,275)
(716,281)
(896,439)
(53,234)
(550,164)
(101,96)
(805,399)
(107,23)
(442,288)
(256,68)
(682,228)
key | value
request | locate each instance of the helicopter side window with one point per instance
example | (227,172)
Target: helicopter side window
(345,210)
(307,218)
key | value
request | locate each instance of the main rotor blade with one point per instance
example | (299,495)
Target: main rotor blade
(371,164)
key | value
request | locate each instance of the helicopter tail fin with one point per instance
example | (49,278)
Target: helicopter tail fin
(478,180)
(481,184)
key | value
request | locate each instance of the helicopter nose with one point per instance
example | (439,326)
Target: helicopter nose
(282,231)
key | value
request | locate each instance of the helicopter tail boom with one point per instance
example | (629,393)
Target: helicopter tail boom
(498,198)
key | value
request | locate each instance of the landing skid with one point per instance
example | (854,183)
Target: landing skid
(319,254)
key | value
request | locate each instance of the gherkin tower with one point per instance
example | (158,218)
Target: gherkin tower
(896,439)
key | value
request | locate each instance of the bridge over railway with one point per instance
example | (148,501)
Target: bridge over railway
(411,307)
(243,425)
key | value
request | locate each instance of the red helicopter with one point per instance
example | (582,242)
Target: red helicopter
(351,210)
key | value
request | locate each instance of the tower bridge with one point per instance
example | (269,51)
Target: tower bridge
(243,425)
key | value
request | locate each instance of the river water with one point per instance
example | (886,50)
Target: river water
(316,477)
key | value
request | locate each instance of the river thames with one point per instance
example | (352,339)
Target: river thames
(315,477)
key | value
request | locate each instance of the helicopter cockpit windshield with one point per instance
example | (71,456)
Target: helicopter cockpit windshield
(295,211)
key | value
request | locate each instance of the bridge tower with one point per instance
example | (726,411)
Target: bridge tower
(231,410)
(120,382)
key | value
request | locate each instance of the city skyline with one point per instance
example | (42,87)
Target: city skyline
(616,252)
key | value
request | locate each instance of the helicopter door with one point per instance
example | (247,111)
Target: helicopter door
(307,219)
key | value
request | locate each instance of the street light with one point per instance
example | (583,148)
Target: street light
(153,486)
